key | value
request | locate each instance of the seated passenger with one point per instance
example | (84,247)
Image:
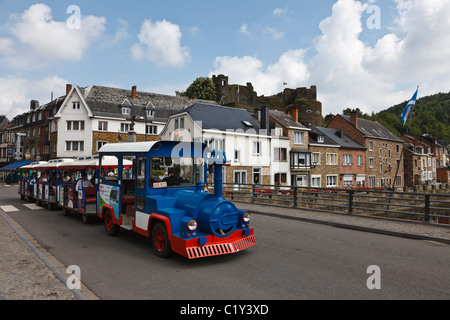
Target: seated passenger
(83,182)
(175,179)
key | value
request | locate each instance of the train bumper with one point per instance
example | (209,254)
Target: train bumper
(214,246)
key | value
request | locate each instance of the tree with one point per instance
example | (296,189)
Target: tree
(202,88)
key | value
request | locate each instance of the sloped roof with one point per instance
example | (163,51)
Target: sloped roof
(286,120)
(107,101)
(374,129)
(315,133)
(340,138)
(222,118)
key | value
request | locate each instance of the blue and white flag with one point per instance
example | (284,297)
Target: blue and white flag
(408,107)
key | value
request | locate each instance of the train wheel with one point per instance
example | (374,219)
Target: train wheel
(160,240)
(111,228)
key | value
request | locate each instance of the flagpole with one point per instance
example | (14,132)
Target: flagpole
(403,148)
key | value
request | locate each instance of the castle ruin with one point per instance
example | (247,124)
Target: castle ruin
(300,103)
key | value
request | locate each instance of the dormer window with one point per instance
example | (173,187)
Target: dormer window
(320,138)
(126,110)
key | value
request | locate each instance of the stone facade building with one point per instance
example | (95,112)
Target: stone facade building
(383,149)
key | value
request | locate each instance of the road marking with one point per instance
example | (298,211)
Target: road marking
(33,206)
(9,208)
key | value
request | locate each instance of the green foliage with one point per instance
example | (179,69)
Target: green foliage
(431,115)
(201,88)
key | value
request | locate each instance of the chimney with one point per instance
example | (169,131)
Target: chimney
(265,118)
(34,104)
(133,92)
(354,118)
(68,89)
(295,114)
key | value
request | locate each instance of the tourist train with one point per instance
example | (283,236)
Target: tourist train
(157,189)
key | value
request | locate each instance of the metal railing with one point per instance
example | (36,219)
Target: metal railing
(404,205)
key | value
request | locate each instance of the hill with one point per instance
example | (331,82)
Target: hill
(431,115)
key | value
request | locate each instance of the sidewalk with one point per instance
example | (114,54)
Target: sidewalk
(393,227)
(28,271)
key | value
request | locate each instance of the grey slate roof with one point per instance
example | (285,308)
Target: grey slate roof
(340,138)
(108,102)
(313,137)
(221,118)
(286,120)
(374,129)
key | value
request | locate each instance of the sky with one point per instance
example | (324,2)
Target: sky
(368,54)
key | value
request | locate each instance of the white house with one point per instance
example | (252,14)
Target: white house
(93,116)
(253,156)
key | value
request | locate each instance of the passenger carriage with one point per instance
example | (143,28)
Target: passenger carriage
(164,197)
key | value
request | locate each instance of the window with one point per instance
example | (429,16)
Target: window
(151,130)
(347,160)
(100,144)
(182,123)
(256,148)
(331,181)
(103,125)
(75,125)
(360,160)
(300,160)
(175,171)
(256,172)
(315,158)
(280,154)
(237,155)
(371,162)
(280,178)
(124,127)
(347,180)
(239,179)
(371,181)
(370,145)
(74,145)
(299,138)
(332,159)
(176,124)
(126,110)
(76,105)
(315,181)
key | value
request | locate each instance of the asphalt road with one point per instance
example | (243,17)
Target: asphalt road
(292,260)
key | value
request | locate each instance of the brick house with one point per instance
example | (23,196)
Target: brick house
(383,149)
(324,159)
(299,152)
(350,158)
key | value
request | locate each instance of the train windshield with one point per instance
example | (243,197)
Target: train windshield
(176,171)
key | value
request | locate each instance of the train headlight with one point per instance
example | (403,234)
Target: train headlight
(192,225)
(246,217)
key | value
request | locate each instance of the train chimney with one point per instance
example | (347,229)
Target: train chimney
(219,159)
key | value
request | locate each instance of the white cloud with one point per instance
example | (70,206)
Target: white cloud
(274,33)
(351,73)
(267,80)
(279,11)
(16,93)
(159,43)
(244,29)
(41,37)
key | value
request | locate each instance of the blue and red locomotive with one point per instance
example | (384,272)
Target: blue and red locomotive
(163,196)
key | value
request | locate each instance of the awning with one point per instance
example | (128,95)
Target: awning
(15,165)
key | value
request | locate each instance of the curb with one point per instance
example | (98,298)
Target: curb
(53,264)
(358,228)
